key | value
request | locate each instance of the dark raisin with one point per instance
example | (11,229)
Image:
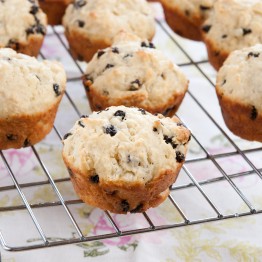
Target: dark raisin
(206,28)
(36,29)
(80,57)
(67,135)
(127,55)
(246,31)
(34,9)
(224,36)
(79,3)
(125,206)
(204,8)
(143,111)
(108,66)
(187,12)
(81,123)
(120,113)
(224,82)
(98,107)
(154,129)
(217,53)
(13,44)
(137,209)
(149,45)
(94,179)
(100,53)
(180,157)
(135,85)
(81,23)
(115,50)
(56,89)
(11,137)
(180,124)
(105,92)
(169,140)
(84,116)
(29,31)
(111,130)
(26,143)
(40,29)
(129,159)
(168,110)
(253,54)
(253,114)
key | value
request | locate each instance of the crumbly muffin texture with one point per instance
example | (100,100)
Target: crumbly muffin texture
(133,73)
(30,92)
(233,24)
(36,84)
(124,155)
(102,20)
(239,89)
(20,19)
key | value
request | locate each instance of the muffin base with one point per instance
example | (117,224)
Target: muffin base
(216,57)
(180,24)
(81,47)
(98,101)
(31,47)
(55,10)
(121,197)
(25,130)
(238,118)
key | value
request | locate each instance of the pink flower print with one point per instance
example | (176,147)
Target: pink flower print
(20,161)
(103,226)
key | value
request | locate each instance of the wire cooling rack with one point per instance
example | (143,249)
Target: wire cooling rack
(214,183)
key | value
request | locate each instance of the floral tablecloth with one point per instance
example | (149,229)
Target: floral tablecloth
(237,239)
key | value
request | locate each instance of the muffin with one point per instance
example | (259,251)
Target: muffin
(186,17)
(233,25)
(92,25)
(30,92)
(133,73)
(22,26)
(124,159)
(55,10)
(239,90)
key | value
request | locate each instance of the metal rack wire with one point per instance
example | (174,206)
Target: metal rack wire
(200,185)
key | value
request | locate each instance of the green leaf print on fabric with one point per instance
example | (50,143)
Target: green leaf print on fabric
(94,249)
(130,245)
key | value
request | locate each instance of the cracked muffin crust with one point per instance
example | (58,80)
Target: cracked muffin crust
(133,73)
(54,9)
(92,25)
(124,159)
(239,90)
(186,17)
(233,25)
(22,26)
(30,92)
